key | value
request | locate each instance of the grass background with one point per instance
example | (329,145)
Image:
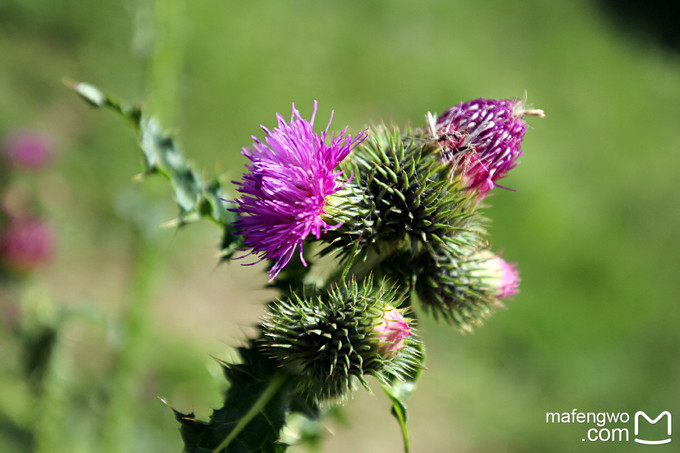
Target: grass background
(593,222)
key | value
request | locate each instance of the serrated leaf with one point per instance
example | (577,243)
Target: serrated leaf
(162,154)
(253,414)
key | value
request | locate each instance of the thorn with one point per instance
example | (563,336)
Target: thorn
(534,112)
(139,177)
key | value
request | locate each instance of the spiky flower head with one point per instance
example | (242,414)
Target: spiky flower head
(401,196)
(29,149)
(463,285)
(481,139)
(25,244)
(291,175)
(334,338)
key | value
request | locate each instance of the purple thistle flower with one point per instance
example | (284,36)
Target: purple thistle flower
(482,138)
(285,193)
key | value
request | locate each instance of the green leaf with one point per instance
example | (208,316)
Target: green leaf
(254,412)
(162,155)
(98,98)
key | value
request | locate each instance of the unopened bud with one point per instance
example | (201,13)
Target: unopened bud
(498,274)
(341,336)
(463,285)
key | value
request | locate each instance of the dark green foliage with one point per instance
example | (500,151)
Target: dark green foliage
(329,340)
(254,411)
(294,278)
(38,348)
(195,197)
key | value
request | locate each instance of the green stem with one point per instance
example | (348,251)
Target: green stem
(120,404)
(276,383)
(399,413)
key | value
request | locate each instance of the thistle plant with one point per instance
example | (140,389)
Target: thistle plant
(400,211)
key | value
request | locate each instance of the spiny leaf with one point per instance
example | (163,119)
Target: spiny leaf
(254,412)
(162,155)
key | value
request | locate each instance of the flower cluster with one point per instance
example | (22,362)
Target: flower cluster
(403,206)
(411,206)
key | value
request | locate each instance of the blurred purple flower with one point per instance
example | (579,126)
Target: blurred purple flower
(25,244)
(509,279)
(29,149)
(481,139)
(284,195)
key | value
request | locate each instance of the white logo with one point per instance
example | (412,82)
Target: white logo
(653,422)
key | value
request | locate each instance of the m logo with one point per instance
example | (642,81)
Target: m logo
(653,422)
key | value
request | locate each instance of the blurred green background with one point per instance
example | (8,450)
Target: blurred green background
(593,223)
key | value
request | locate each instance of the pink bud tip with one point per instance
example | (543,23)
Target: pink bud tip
(509,281)
(392,330)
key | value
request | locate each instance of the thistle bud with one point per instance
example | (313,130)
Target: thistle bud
(29,149)
(341,336)
(481,139)
(463,285)
(498,274)
(400,194)
(26,244)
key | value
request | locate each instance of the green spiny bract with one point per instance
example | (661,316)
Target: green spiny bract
(330,339)
(453,284)
(401,194)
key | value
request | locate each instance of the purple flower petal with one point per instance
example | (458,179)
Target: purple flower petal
(481,138)
(284,194)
